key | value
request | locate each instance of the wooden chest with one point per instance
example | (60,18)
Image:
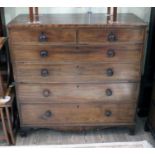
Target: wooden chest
(77,70)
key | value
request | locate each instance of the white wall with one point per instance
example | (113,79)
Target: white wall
(142,12)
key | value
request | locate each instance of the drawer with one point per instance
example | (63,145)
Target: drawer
(79,93)
(80,114)
(81,72)
(51,54)
(32,36)
(108,35)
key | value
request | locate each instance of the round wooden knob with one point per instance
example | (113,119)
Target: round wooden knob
(46,93)
(109,72)
(44,72)
(111,53)
(48,113)
(112,37)
(108,92)
(42,37)
(108,113)
(43,53)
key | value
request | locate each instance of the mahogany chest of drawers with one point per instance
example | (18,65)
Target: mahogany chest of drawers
(77,70)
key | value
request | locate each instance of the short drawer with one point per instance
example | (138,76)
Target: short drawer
(80,114)
(80,72)
(51,54)
(111,35)
(77,93)
(43,36)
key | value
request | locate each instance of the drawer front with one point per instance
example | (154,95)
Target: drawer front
(43,36)
(79,93)
(76,72)
(80,114)
(111,35)
(123,53)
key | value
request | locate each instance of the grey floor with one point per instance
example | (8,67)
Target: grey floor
(47,137)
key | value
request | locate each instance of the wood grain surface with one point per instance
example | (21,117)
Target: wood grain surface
(58,54)
(77,93)
(77,70)
(77,114)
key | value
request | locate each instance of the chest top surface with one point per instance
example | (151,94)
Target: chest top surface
(76,20)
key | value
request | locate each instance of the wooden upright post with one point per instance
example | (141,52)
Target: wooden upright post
(112,14)
(36,11)
(115,14)
(36,14)
(33,14)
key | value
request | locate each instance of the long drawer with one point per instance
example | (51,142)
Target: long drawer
(77,93)
(80,114)
(98,72)
(114,35)
(32,36)
(51,54)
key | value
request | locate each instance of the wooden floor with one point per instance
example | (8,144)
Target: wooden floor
(45,136)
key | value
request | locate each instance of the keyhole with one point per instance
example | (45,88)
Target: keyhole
(77,66)
(77,106)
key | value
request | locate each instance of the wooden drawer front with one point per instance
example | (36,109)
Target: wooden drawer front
(82,54)
(76,72)
(79,93)
(65,114)
(111,35)
(43,36)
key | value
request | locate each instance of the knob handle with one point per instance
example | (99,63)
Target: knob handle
(111,53)
(112,37)
(48,113)
(109,72)
(44,72)
(43,53)
(108,113)
(42,37)
(46,93)
(108,92)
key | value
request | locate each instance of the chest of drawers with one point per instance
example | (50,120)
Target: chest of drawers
(77,70)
